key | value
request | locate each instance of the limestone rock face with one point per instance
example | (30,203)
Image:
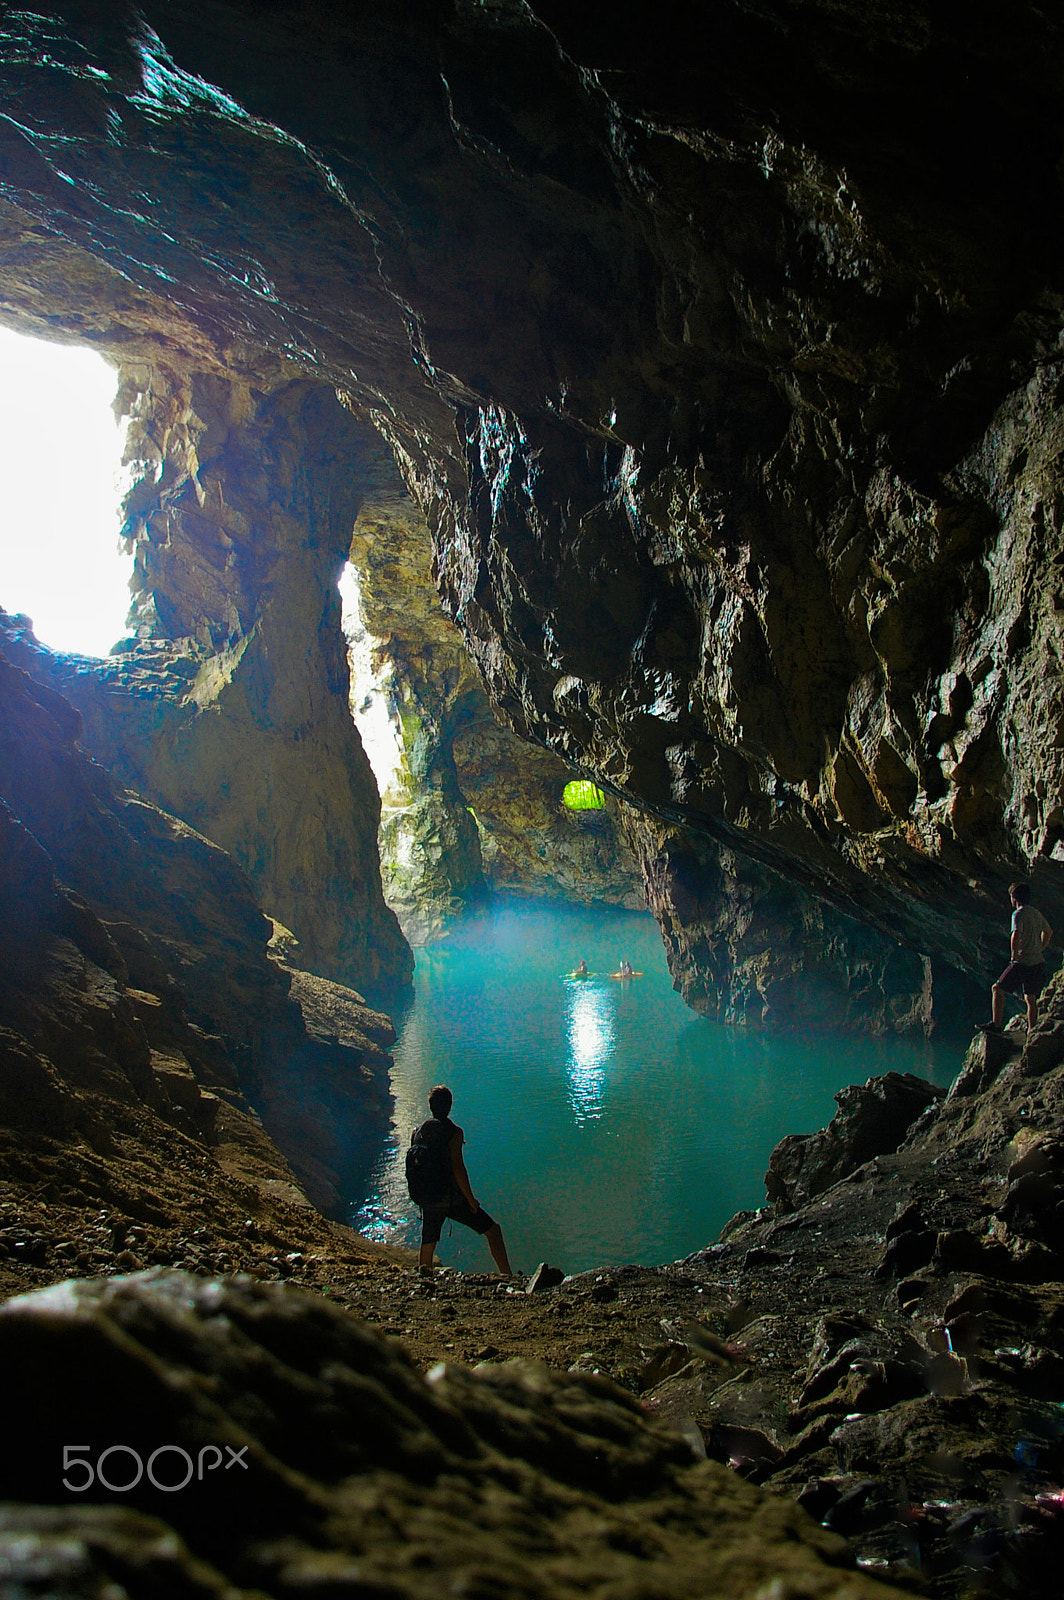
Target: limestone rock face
(411,683)
(530,840)
(466,804)
(724,366)
(327,1461)
(750,948)
(136,995)
(229,707)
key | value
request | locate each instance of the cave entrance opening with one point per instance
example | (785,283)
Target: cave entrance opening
(583,795)
(61,450)
(371,708)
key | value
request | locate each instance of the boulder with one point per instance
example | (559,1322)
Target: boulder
(872,1120)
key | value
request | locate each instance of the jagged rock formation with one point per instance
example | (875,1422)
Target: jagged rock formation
(872,1120)
(728,390)
(136,996)
(514,1481)
(466,805)
(747,947)
(229,706)
(937,1271)
(743,945)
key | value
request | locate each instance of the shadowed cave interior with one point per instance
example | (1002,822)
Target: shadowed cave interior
(590,457)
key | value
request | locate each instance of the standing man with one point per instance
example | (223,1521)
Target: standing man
(444,1190)
(1026,972)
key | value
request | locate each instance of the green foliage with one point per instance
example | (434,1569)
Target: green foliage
(583,795)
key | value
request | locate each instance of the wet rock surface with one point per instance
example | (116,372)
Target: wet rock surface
(747,947)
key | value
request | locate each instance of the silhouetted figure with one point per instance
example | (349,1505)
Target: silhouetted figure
(442,1140)
(1026,972)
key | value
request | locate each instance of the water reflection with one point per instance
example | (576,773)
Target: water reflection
(591,1034)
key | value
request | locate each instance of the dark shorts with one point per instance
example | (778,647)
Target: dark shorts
(459,1210)
(1018,978)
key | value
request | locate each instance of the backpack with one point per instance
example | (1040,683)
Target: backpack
(428,1164)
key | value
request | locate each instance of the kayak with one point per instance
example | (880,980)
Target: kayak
(624,975)
(579,974)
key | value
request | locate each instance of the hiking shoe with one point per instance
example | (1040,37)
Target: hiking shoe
(989,1027)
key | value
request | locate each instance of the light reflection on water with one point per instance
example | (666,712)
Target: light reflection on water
(591,1012)
(604,1121)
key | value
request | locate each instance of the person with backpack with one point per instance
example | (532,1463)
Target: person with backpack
(438,1182)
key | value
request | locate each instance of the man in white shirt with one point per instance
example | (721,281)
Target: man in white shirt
(1026,972)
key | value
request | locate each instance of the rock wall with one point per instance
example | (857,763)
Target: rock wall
(411,683)
(466,805)
(229,705)
(530,840)
(138,1008)
(747,947)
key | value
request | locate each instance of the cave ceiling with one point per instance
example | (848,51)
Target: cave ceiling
(720,345)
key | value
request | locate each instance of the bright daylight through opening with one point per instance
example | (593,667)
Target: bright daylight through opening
(60,457)
(583,795)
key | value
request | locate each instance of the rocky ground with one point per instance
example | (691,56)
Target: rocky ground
(292,1451)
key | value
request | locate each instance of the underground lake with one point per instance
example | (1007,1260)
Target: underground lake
(605,1121)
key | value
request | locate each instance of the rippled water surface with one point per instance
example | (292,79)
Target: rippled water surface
(604,1121)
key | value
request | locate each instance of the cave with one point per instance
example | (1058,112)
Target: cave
(520,396)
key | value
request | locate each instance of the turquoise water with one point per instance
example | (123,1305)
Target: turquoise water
(605,1122)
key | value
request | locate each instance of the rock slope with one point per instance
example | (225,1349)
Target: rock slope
(136,992)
